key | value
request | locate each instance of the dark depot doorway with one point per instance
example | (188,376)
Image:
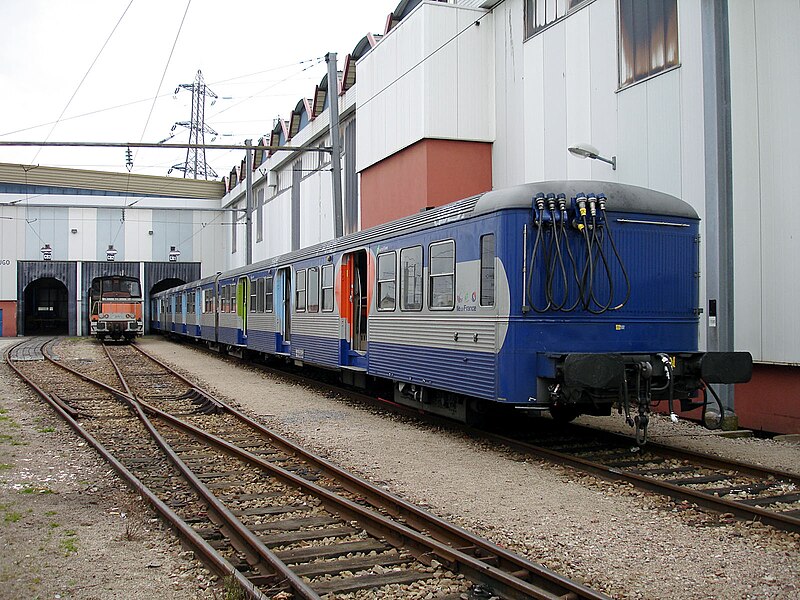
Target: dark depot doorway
(46,308)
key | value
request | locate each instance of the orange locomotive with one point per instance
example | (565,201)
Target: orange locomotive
(116,307)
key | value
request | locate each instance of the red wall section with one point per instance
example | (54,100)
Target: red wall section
(9,308)
(771,400)
(429,173)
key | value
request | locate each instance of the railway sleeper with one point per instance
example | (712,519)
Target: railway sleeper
(346,585)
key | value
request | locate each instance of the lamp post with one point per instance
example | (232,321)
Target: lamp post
(589,151)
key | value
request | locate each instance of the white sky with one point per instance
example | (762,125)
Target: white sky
(260,54)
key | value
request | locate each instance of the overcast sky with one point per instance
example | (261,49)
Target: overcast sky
(259,57)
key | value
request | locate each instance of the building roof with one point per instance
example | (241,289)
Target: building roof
(108,181)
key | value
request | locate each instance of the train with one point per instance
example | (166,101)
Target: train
(568,297)
(116,308)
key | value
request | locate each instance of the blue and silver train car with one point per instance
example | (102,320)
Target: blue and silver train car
(568,296)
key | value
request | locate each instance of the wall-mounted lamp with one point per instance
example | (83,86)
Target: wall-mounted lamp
(111,253)
(73,230)
(589,151)
(47,252)
(173,254)
(150,232)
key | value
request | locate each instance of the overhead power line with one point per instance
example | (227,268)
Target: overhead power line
(170,146)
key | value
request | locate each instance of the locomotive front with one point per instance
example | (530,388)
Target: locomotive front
(116,308)
(607,305)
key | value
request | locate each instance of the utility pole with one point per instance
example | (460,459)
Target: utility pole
(336,144)
(195,164)
(248,198)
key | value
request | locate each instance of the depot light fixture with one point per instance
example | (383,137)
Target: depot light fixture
(47,252)
(111,253)
(589,151)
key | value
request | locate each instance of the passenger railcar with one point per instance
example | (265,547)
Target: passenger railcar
(569,296)
(115,307)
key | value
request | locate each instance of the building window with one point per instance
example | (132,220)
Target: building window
(387,291)
(487,270)
(442,275)
(327,288)
(260,215)
(234,222)
(268,298)
(411,278)
(648,38)
(541,13)
(313,289)
(300,292)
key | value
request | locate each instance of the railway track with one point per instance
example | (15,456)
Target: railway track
(274,516)
(746,491)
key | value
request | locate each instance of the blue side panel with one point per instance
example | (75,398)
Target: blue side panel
(317,350)
(207,332)
(229,335)
(195,331)
(471,373)
(262,341)
(184,329)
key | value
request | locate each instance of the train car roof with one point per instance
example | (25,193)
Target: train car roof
(621,198)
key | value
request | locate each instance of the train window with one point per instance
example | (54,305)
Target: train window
(300,291)
(411,278)
(487,270)
(327,288)
(223,299)
(232,305)
(259,292)
(253,295)
(313,289)
(442,275)
(268,298)
(387,280)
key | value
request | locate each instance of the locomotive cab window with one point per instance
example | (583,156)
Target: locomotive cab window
(313,289)
(268,297)
(300,292)
(442,275)
(487,270)
(411,278)
(327,288)
(387,276)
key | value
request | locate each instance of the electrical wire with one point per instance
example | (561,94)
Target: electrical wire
(58,120)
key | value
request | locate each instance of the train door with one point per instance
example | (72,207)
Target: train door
(242,301)
(355,306)
(283,309)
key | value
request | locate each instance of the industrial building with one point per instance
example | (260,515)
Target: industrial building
(449,99)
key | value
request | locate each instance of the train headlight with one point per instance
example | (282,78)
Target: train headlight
(128,316)
(104,316)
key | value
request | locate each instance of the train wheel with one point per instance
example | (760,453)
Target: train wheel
(564,414)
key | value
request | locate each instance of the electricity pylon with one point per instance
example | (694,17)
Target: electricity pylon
(195,165)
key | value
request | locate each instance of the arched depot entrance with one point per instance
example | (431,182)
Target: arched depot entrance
(165,285)
(46,309)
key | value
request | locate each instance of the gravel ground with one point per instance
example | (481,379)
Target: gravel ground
(627,543)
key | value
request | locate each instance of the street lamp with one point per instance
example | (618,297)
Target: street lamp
(589,151)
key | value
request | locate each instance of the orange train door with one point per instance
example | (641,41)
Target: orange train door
(354,306)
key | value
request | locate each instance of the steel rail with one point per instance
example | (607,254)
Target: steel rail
(741,511)
(411,514)
(216,562)
(243,539)
(508,585)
